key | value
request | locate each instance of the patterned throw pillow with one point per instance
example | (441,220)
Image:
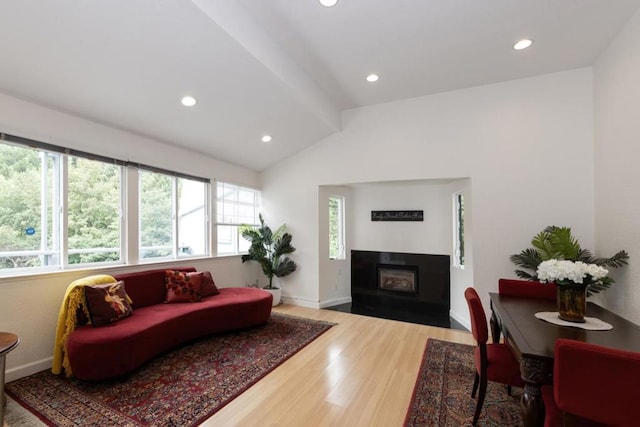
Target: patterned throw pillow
(183,287)
(208,285)
(107,303)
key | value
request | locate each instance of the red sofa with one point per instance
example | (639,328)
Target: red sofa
(97,353)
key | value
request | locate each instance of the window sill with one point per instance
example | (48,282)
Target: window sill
(7,276)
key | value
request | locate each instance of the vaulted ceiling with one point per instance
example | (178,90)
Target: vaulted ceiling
(286,68)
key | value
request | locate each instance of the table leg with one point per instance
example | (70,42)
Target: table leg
(495,328)
(535,372)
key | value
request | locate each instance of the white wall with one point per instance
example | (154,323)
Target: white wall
(431,236)
(29,305)
(617,177)
(526,145)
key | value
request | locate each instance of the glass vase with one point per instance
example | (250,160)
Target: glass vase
(572,302)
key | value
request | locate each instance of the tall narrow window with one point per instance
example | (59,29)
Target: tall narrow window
(458,241)
(336,228)
(235,206)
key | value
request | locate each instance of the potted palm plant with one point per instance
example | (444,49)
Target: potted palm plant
(558,243)
(270,250)
(557,257)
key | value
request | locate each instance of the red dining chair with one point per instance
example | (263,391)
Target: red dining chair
(527,289)
(592,386)
(494,362)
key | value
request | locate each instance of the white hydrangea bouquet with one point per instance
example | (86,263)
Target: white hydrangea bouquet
(563,272)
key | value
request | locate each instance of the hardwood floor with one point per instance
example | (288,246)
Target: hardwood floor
(359,373)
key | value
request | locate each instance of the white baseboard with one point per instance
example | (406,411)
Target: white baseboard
(314,304)
(28,369)
(462,320)
(300,302)
(335,301)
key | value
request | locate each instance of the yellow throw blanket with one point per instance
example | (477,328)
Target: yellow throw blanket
(68,318)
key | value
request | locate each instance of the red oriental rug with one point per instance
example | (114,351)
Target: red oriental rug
(442,394)
(181,388)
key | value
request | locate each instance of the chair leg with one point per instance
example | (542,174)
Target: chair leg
(483,390)
(475,385)
(509,390)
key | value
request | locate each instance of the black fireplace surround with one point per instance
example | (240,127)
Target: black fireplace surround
(406,282)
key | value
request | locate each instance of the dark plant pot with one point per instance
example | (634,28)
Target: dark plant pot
(572,302)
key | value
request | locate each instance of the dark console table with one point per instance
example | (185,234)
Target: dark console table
(533,341)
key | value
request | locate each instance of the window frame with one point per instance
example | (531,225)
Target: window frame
(128,212)
(341,229)
(54,215)
(66,250)
(458,230)
(176,230)
(234,223)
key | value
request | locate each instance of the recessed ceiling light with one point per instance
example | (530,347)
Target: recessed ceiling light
(523,44)
(372,78)
(266,138)
(188,101)
(328,3)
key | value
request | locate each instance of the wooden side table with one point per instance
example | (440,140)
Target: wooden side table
(8,342)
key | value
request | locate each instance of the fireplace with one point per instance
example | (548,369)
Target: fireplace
(397,278)
(387,282)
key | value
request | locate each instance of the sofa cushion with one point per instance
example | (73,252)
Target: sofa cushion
(209,287)
(183,287)
(107,303)
(147,287)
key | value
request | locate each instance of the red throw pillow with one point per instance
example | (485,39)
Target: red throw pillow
(208,285)
(107,303)
(183,287)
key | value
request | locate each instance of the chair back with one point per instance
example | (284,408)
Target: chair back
(597,383)
(479,327)
(527,289)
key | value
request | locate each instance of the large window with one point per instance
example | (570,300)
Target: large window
(193,217)
(94,216)
(173,220)
(336,227)
(235,206)
(36,199)
(63,208)
(156,215)
(458,230)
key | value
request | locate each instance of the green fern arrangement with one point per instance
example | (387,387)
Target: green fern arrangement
(558,243)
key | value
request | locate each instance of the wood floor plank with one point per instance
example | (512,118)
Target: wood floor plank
(359,373)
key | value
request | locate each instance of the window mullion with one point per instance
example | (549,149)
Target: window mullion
(44,203)
(61,202)
(174,201)
(132,217)
(211,231)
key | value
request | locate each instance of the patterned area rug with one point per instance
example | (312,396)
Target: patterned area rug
(181,388)
(442,394)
